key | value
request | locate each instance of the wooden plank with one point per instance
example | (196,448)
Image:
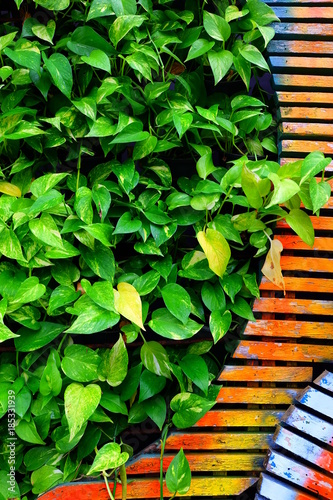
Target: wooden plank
(293,306)
(293,242)
(309,264)
(309,424)
(306,113)
(266,373)
(300,475)
(303,448)
(297,2)
(150,489)
(255,395)
(300,47)
(289,329)
(304,13)
(316,400)
(308,98)
(218,441)
(309,64)
(274,489)
(309,81)
(295,146)
(278,351)
(319,285)
(303,30)
(199,462)
(240,418)
(306,129)
(319,223)
(325,380)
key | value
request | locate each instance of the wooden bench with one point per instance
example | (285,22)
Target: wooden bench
(278,354)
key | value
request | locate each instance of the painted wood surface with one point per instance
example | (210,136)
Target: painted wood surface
(309,64)
(308,98)
(218,440)
(307,130)
(306,81)
(304,13)
(294,306)
(289,329)
(306,113)
(311,425)
(266,373)
(316,400)
(303,30)
(273,489)
(255,395)
(310,264)
(325,381)
(276,351)
(307,47)
(240,418)
(320,285)
(321,223)
(293,242)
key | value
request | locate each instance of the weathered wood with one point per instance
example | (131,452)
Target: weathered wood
(300,475)
(303,30)
(266,373)
(297,146)
(306,129)
(309,424)
(309,64)
(294,306)
(289,329)
(240,418)
(299,47)
(304,13)
(319,285)
(303,448)
(293,242)
(274,489)
(218,441)
(199,462)
(316,400)
(320,223)
(304,98)
(254,395)
(297,2)
(309,264)
(281,81)
(284,351)
(306,113)
(325,380)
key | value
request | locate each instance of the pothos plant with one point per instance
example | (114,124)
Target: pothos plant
(98,233)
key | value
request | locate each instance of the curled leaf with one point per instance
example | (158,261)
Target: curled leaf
(272,267)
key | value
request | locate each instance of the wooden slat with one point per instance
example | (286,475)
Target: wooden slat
(150,489)
(304,13)
(199,462)
(266,373)
(306,129)
(319,285)
(240,418)
(305,98)
(299,47)
(295,146)
(290,63)
(309,424)
(325,381)
(218,441)
(276,351)
(309,264)
(303,448)
(293,242)
(308,81)
(300,475)
(297,2)
(255,395)
(273,489)
(306,113)
(293,306)
(303,30)
(319,223)
(316,400)
(289,329)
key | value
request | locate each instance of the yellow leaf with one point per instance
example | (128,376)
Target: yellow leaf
(11,189)
(128,303)
(272,267)
(216,249)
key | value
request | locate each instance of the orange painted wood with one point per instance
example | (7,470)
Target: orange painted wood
(311,425)
(199,462)
(255,395)
(316,400)
(311,98)
(150,489)
(306,13)
(240,418)
(279,351)
(273,489)
(306,113)
(319,223)
(297,2)
(289,329)
(309,264)
(306,129)
(300,475)
(325,381)
(295,146)
(294,47)
(266,373)
(307,63)
(319,285)
(303,30)
(308,81)
(218,440)
(303,448)
(293,306)
(293,242)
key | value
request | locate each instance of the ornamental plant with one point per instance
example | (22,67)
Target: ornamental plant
(99,232)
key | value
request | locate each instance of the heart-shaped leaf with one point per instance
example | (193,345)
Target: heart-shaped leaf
(80,404)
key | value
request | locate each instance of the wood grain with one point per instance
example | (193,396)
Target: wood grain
(294,306)
(309,424)
(255,395)
(240,418)
(218,440)
(266,373)
(289,329)
(279,351)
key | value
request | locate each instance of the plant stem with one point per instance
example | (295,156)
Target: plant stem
(123,477)
(61,342)
(78,171)
(107,486)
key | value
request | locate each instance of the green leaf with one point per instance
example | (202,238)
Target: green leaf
(46,202)
(216,249)
(43,184)
(166,325)
(216,26)
(205,165)
(46,477)
(243,68)
(156,409)
(196,370)
(148,248)
(146,283)
(100,8)
(219,324)
(29,291)
(242,308)
(178,475)
(6,333)
(102,200)
(109,457)
(80,363)
(100,260)
(223,224)
(250,186)
(46,230)
(61,296)
(93,319)
(51,382)
(213,296)
(101,232)
(30,340)
(117,363)
(80,404)
(284,190)
(313,163)
(182,122)
(61,73)
(150,385)
(155,358)
(127,225)
(84,40)
(220,62)
(261,13)
(199,47)
(144,148)
(10,245)
(54,4)
(178,301)
(232,284)
(82,205)
(87,106)
(126,137)
(27,432)
(254,56)
(195,266)
(101,293)
(25,54)
(124,7)
(189,408)
(320,193)
(301,223)
(98,59)
(112,402)
(122,25)
(45,32)
(7,39)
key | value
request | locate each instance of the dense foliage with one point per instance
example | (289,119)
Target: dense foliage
(102,229)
